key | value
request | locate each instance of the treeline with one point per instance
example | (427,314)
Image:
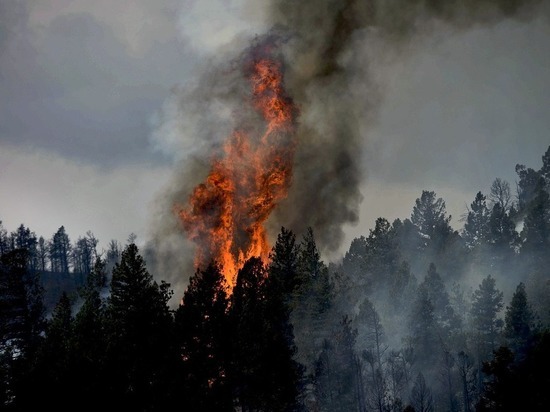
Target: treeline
(416,317)
(58,263)
(57,254)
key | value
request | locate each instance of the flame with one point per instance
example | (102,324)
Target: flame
(226,213)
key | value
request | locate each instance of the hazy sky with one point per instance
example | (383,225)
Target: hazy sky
(83,83)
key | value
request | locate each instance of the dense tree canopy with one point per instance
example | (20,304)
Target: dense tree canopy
(417,316)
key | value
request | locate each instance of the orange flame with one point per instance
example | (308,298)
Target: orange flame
(226,213)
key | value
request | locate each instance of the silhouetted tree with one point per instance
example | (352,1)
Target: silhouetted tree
(500,194)
(138,325)
(423,328)
(310,302)
(5,244)
(476,227)
(487,302)
(23,238)
(502,237)
(517,386)
(447,321)
(519,326)
(60,249)
(536,229)
(430,217)
(204,342)
(42,254)
(55,359)
(281,368)
(21,325)
(382,257)
(247,312)
(84,254)
(89,341)
(354,260)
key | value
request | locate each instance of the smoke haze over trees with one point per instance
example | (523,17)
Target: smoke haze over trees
(416,316)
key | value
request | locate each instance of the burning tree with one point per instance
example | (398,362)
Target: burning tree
(226,213)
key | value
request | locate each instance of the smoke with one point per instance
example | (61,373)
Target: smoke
(329,76)
(327,48)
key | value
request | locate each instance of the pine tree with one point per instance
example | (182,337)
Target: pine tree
(354,260)
(310,301)
(382,256)
(283,267)
(284,372)
(430,217)
(502,236)
(204,342)
(249,336)
(487,302)
(49,376)
(21,327)
(447,321)
(138,324)
(519,320)
(476,227)
(89,341)
(60,250)
(530,181)
(423,328)
(536,229)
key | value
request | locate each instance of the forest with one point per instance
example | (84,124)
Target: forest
(416,316)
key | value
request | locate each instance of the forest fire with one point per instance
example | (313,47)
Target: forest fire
(226,213)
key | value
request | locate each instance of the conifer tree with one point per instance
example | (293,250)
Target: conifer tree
(519,327)
(487,302)
(310,301)
(204,342)
(249,335)
(284,372)
(476,227)
(89,342)
(138,325)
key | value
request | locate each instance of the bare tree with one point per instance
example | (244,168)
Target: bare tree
(467,374)
(421,395)
(446,373)
(500,193)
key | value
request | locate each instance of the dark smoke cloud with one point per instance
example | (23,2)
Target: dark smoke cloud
(330,81)
(326,52)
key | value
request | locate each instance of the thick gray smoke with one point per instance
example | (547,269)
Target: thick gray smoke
(331,43)
(327,46)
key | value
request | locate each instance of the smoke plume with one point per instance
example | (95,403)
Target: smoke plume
(326,47)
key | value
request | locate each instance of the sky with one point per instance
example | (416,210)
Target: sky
(85,88)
